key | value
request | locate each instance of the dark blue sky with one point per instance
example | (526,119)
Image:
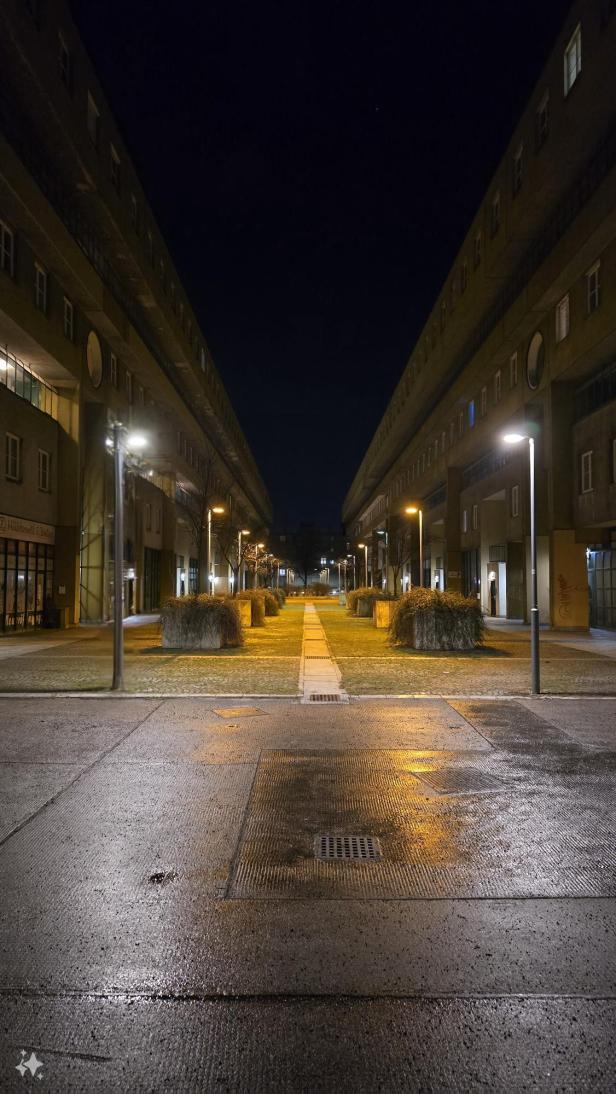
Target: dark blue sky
(314,167)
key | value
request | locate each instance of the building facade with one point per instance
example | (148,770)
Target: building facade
(95,328)
(522,338)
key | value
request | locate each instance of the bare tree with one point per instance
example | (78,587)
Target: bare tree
(196,512)
(234,550)
(399,550)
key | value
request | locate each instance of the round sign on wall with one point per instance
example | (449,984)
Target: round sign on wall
(535,360)
(94,357)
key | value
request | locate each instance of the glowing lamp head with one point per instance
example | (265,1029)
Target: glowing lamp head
(136,441)
(260,545)
(411,509)
(245,532)
(514,438)
(361,546)
(217,509)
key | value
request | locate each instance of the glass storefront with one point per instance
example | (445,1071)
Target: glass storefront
(26,581)
(602,582)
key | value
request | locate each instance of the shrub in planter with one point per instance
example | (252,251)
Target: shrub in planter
(431,620)
(257,606)
(272,607)
(365,594)
(200,622)
(280,597)
(319,589)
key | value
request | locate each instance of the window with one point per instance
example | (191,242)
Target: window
(495,214)
(452,433)
(64,62)
(573,59)
(515,501)
(471,413)
(518,170)
(7,249)
(475,517)
(562,318)
(463,276)
(134,212)
(593,288)
(113,369)
(484,401)
(44,470)
(477,250)
(443,441)
(129,386)
(148,516)
(69,319)
(115,168)
(93,121)
(40,287)
(497,386)
(586,472)
(465,520)
(157,515)
(513,370)
(12,465)
(542,120)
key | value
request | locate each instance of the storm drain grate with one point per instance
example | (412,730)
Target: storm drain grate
(358,848)
(316,657)
(318,698)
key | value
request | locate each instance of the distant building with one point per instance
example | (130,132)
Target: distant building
(95,327)
(522,335)
(310,554)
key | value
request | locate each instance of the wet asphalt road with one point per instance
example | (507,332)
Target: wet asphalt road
(167,926)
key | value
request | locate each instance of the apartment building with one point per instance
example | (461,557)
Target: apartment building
(522,337)
(96,328)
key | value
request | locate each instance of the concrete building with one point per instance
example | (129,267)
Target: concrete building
(522,335)
(95,327)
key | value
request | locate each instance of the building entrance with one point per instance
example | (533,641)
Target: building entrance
(26,583)
(602,585)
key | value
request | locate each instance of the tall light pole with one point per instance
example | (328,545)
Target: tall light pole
(258,546)
(535,680)
(120,442)
(240,563)
(365,550)
(354,578)
(210,571)
(411,510)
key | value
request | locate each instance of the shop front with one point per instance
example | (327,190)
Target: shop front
(26,572)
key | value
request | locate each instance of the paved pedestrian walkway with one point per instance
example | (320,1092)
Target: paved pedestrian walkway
(319,674)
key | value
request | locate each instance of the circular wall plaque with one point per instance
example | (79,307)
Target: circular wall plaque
(535,360)
(94,357)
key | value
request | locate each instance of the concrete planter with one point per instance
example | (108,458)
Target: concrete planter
(364,607)
(205,636)
(382,613)
(245,612)
(428,633)
(342,599)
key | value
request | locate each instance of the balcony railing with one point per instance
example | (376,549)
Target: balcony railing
(18,378)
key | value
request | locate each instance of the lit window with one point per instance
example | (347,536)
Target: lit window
(513,370)
(44,470)
(115,168)
(93,120)
(562,318)
(484,401)
(573,59)
(113,369)
(64,62)
(586,472)
(515,501)
(471,413)
(69,319)
(477,250)
(7,249)
(475,517)
(40,287)
(542,120)
(518,170)
(12,466)
(593,288)
(465,520)
(495,214)
(463,276)
(497,386)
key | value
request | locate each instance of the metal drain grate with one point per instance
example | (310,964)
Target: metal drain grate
(317,698)
(316,657)
(358,848)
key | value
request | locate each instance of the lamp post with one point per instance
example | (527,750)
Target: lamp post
(535,680)
(210,571)
(365,549)
(354,580)
(258,546)
(120,442)
(411,510)
(240,564)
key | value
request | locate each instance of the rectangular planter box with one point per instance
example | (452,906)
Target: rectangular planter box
(245,612)
(182,638)
(426,637)
(383,612)
(363,607)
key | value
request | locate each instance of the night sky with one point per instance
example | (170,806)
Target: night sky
(314,167)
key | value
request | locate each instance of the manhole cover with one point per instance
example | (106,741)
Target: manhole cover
(359,848)
(318,698)
(450,780)
(238,712)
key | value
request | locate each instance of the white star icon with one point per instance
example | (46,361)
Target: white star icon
(32,1064)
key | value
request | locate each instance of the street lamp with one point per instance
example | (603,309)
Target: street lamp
(365,549)
(411,510)
(258,547)
(243,532)
(210,571)
(354,578)
(120,442)
(535,684)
